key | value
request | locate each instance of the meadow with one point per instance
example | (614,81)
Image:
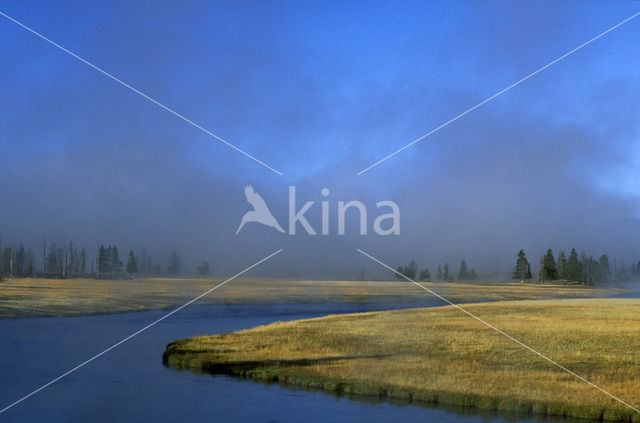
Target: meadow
(441,355)
(31,297)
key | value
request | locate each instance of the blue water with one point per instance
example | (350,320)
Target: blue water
(130,383)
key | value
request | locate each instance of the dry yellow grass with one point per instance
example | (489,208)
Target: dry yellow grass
(442,355)
(63,297)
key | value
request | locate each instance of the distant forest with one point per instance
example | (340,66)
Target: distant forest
(573,268)
(70,261)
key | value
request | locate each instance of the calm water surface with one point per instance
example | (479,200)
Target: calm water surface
(130,383)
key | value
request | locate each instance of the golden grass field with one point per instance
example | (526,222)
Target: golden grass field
(441,355)
(65,297)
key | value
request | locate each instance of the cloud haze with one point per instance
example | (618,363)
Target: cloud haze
(320,93)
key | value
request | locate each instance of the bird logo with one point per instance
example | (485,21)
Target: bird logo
(260,212)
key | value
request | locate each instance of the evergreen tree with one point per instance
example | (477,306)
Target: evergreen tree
(50,261)
(473,275)
(439,273)
(102,257)
(463,273)
(425,275)
(203,269)
(132,264)
(83,263)
(446,274)
(605,269)
(108,262)
(20,266)
(59,252)
(586,272)
(146,263)
(591,273)
(408,271)
(562,265)
(548,270)
(116,264)
(573,266)
(399,273)
(175,263)
(74,262)
(7,259)
(522,270)
(70,273)
(55,261)
(411,270)
(30,265)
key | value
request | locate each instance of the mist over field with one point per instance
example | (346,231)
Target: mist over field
(320,94)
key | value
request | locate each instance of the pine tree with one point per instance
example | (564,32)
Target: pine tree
(132,264)
(30,265)
(562,265)
(83,263)
(439,273)
(108,262)
(53,261)
(446,275)
(6,261)
(473,275)
(463,273)
(204,269)
(116,264)
(548,270)
(146,263)
(573,266)
(175,263)
(58,253)
(410,271)
(72,262)
(102,258)
(425,275)
(21,262)
(399,273)
(605,269)
(522,271)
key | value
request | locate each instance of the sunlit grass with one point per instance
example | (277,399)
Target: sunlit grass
(59,297)
(441,355)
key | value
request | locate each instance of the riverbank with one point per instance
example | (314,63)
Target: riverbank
(26,297)
(440,355)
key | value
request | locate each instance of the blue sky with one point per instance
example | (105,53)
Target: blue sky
(319,91)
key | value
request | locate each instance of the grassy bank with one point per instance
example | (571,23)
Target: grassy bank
(65,297)
(440,355)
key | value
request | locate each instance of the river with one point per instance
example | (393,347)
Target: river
(130,383)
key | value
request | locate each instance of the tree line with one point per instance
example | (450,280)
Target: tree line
(443,273)
(69,261)
(573,268)
(577,268)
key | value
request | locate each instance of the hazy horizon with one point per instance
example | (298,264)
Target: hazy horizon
(320,94)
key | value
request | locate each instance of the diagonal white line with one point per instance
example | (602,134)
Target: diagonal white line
(138,332)
(499,331)
(496,95)
(141,94)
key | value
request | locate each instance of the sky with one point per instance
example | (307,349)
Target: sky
(319,91)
